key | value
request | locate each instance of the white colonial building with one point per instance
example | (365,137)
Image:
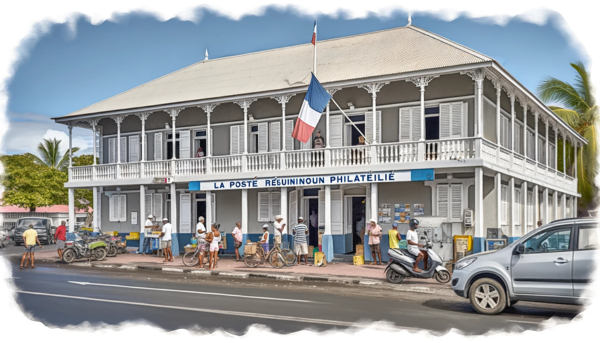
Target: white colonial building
(450,129)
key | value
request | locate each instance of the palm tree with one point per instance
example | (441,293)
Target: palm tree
(50,155)
(580,111)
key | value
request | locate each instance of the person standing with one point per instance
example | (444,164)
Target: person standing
(200,153)
(60,236)
(215,238)
(319,141)
(279,227)
(375,234)
(30,238)
(394,236)
(166,240)
(539,223)
(264,241)
(300,244)
(237,239)
(148,226)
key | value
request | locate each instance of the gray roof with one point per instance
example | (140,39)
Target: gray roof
(394,51)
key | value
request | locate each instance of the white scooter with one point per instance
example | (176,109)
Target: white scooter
(401,265)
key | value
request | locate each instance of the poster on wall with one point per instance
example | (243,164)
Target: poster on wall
(402,213)
(385,214)
(133,218)
(419,210)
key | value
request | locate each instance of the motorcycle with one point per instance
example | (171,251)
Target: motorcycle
(3,238)
(402,261)
(85,248)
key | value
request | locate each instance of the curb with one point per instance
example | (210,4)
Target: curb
(374,283)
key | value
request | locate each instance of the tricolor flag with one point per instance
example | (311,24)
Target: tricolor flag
(314,39)
(315,101)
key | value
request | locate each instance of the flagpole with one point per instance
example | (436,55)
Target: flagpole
(351,122)
(315,51)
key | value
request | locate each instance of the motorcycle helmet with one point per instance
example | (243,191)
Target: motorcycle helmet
(413,223)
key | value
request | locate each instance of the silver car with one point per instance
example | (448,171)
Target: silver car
(552,264)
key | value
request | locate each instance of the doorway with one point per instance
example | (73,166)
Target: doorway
(352,134)
(200,142)
(170,146)
(313,221)
(355,220)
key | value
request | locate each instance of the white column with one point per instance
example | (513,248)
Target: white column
(209,219)
(327,210)
(174,145)
(564,205)
(479,229)
(547,142)
(555,204)
(71,209)
(524,129)
(576,148)
(142,215)
(244,212)
(479,113)
(564,154)
(546,207)
(498,114)
(208,109)
(245,104)
(118,121)
(373,88)
(536,205)
(524,208)
(95,201)
(94,155)
(143,116)
(498,186)
(512,127)
(284,209)
(511,206)
(327,131)
(555,165)
(374,202)
(536,137)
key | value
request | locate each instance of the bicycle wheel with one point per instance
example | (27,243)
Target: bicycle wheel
(252,261)
(190,258)
(276,260)
(290,257)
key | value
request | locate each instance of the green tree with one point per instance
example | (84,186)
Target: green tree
(579,110)
(29,184)
(83,197)
(50,155)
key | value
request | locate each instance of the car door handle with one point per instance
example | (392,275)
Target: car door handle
(561,260)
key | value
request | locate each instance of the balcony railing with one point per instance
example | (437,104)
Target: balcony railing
(349,156)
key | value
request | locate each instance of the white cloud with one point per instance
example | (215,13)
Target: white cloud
(78,141)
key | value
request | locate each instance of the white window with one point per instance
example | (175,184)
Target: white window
(269,205)
(158,147)
(410,124)
(336,128)
(154,205)
(530,212)
(185,141)
(504,208)
(118,208)
(505,131)
(517,207)
(123,149)
(236,139)
(452,120)
(289,140)
(134,148)
(530,144)
(450,201)
(518,138)
(541,150)
(112,150)
(552,156)
(275,135)
(369,125)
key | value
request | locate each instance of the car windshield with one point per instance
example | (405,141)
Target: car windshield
(37,223)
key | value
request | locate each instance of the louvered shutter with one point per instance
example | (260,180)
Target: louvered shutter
(552,157)
(123,149)
(530,145)
(157,206)
(336,126)
(517,137)
(234,137)
(405,125)
(541,150)
(275,205)
(504,199)
(242,136)
(416,123)
(123,208)
(275,135)
(456,201)
(213,207)
(184,144)
(530,212)
(442,201)
(134,148)
(158,147)
(112,208)
(289,140)
(369,125)
(337,224)
(307,145)
(445,120)
(293,208)
(112,150)
(550,208)
(321,208)
(517,207)
(147,206)
(264,207)
(457,120)
(185,213)
(263,137)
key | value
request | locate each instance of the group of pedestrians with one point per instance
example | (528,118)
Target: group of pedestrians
(208,242)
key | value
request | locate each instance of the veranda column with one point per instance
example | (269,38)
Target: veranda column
(173,220)
(555,205)
(118,120)
(142,218)
(373,88)
(536,154)
(478,240)
(477,75)
(94,207)
(511,207)
(208,109)
(244,220)
(327,242)
(71,209)
(209,218)
(283,100)
(536,205)
(70,145)
(524,209)
(545,207)
(143,116)
(547,159)
(245,104)
(374,215)
(525,130)
(564,154)
(93,124)
(512,127)
(576,148)
(421,83)
(173,113)
(498,87)
(284,213)
(498,187)
(563,200)
(555,162)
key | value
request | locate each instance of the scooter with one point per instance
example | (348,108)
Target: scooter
(402,261)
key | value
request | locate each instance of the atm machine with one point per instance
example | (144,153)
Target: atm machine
(439,231)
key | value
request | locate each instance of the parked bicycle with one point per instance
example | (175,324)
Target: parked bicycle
(254,255)
(192,258)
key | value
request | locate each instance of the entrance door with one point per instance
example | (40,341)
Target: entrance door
(546,266)
(313,221)
(354,219)
(201,210)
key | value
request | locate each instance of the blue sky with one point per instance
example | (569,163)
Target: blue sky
(66,71)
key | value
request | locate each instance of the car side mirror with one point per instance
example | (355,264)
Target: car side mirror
(521,249)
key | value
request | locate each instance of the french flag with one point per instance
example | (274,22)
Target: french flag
(314,39)
(315,101)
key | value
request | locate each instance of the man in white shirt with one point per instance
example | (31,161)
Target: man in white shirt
(279,227)
(200,229)
(166,240)
(148,226)
(413,245)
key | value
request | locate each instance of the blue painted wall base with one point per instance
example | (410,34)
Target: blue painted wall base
(327,247)
(478,245)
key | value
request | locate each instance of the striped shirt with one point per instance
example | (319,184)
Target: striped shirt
(300,233)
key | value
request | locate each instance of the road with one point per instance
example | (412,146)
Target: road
(64,295)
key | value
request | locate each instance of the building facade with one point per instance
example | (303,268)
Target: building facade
(448,129)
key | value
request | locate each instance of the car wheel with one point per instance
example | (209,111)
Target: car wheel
(487,296)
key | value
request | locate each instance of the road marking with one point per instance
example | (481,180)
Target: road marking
(523,321)
(229,313)
(192,292)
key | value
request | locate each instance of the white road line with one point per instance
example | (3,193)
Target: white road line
(229,313)
(191,292)
(524,322)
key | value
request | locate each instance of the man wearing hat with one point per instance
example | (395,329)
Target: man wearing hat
(375,234)
(394,236)
(279,227)
(319,141)
(148,226)
(300,245)
(265,238)
(166,240)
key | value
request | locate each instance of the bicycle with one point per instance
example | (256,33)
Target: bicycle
(191,258)
(277,257)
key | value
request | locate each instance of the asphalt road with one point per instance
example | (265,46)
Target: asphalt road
(63,295)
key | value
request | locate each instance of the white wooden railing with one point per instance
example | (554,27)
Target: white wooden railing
(194,166)
(157,168)
(266,161)
(397,152)
(302,159)
(130,170)
(106,171)
(350,156)
(450,149)
(226,164)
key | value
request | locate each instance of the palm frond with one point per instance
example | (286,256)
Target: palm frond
(572,118)
(582,83)
(555,90)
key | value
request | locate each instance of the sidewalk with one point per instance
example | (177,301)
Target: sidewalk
(343,272)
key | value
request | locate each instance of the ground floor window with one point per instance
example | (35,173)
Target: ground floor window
(118,208)
(450,201)
(269,205)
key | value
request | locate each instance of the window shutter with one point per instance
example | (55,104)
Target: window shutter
(112,150)
(263,137)
(185,213)
(157,206)
(517,137)
(541,150)
(322,207)
(405,124)
(289,140)
(242,136)
(293,208)
(123,149)
(517,207)
(307,145)
(369,127)
(457,120)
(111,208)
(337,213)
(213,207)
(530,212)
(264,204)
(552,157)
(416,123)
(147,206)
(184,144)
(336,127)
(122,208)
(442,203)
(275,135)
(134,148)
(504,214)
(530,145)
(275,205)
(456,201)
(234,137)
(445,120)
(158,147)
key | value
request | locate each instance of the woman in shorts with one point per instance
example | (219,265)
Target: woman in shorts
(214,246)
(265,238)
